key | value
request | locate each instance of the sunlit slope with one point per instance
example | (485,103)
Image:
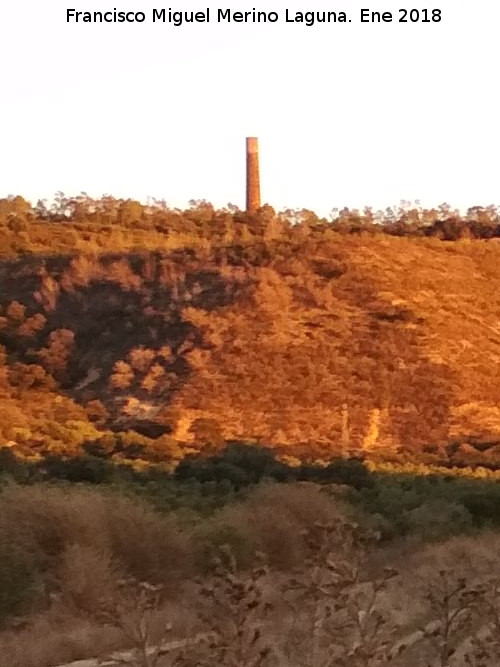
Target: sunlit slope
(454,289)
(349,342)
(370,341)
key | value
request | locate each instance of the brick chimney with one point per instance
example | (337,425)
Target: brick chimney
(253,177)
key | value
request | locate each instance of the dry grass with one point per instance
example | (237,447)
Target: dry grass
(86,576)
(56,637)
(78,542)
(270,521)
(323,599)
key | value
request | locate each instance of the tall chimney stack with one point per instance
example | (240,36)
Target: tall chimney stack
(253,177)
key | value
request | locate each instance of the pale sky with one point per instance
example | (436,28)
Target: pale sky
(347,114)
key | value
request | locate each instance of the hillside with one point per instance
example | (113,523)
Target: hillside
(310,342)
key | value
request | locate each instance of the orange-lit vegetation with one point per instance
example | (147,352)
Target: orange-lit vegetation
(142,332)
(362,352)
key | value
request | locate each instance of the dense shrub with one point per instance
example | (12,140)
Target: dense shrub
(90,469)
(239,463)
(18,578)
(430,506)
(270,520)
(484,505)
(14,468)
(45,523)
(438,520)
(347,471)
(149,545)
